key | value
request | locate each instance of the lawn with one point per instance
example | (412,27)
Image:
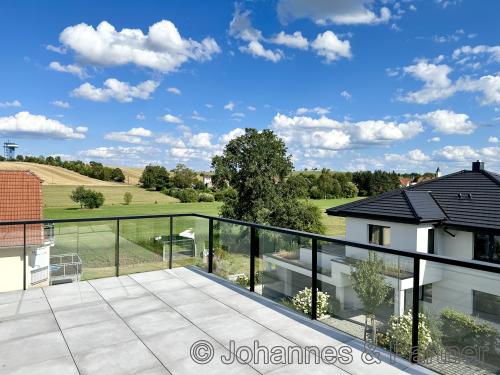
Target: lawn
(59,195)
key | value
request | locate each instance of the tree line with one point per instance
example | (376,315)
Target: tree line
(93,169)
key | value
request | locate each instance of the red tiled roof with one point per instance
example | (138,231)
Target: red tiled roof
(20,199)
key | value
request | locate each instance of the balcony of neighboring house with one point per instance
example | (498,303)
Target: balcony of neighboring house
(137,294)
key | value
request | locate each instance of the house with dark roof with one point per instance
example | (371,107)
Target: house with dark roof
(456,215)
(21,199)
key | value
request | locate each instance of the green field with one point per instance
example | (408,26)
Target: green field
(58,195)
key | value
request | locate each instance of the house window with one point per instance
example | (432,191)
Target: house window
(486,306)
(379,235)
(430,241)
(426,293)
(487,247)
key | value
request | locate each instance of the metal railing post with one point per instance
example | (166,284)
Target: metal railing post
(210,245)
(171,244)
(117,249)
(314,279)
(253,253)
(415,310)
(24,257)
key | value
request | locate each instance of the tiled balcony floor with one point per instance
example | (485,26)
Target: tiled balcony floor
(146,323)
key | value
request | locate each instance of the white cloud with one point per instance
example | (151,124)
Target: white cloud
(415,156)
(317,110)
(256,49)
(331,47)
(82,129)
(434,139)
(134,135)
(323,12)
(140,116)
(493,139)
(201,140)
(448,122)
(13,104)
(119,153)
(117,90)
(60,104)
(196,116)
(172,119)
(70,68)
(346,95)
(229,106)
(295,40)
(27,124)
(174,90)
(493,52)
(235,133)
(209,106)
(251,108)
(162,48)
(238,114)
(437,84)
(57,49)
(456,153)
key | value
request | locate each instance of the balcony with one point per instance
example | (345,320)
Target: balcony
(149,287)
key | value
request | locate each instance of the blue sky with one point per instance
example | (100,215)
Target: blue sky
(397,85)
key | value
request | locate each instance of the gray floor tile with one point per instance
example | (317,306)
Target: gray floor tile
(15,310)
(134,306)
(157,321)
(27,326)
(21,295)
(73,316)
(62,365)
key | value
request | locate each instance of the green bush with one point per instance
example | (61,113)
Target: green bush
(187,195)
(92,199)
(462,330)
(222,194)
(127,198)
(302,302)
(205,197)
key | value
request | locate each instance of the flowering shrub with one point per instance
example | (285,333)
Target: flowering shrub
(399,333)
(302,302)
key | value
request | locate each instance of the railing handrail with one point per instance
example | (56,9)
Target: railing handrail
(466,263)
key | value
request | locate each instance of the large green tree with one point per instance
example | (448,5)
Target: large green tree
(154,177)
(256,165)
(184,177)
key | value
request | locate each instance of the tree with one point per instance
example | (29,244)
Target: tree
(93,199)
(349,190)
(117,175)
(298,184)
(256,165)
(184,177)
(328,185)
(77,195)
(127,198)
(369,284)
(155,177)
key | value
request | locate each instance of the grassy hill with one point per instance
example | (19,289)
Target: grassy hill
(52,175)
(132,174)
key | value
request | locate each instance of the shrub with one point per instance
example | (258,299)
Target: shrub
(302,302)
(93,199)
(77,195)
(205,197)
(127,198)
(399,334)
(462,330)
(221,195)
(187,195)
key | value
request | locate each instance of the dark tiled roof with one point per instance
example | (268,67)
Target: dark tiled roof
(20,199)
(465,198)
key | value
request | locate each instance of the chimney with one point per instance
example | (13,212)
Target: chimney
(477,166)
(438,173)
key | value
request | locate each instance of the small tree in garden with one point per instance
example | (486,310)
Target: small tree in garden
(369,284)
(127,198)
(302,302)
(77,195)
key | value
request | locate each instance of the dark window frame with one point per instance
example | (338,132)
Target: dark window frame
(380,229)
(492,247)
(431,241)
(488,300)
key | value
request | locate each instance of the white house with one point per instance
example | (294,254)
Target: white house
(456,215)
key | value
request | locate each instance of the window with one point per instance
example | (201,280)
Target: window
(426,293)
(379,235)
(486,306)
(487,247)
(430,241)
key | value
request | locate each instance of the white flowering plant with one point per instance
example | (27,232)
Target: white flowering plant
(302,302)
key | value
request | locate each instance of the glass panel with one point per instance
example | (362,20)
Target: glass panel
(365,291)
(82,251)
(144,245)
(284,269)
(232,252)
(460,332)
(190,242)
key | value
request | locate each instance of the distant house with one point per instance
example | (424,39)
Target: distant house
(404,182)
(21,199)
(207,179)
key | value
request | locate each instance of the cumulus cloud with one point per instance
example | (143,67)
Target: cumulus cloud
(60,104)
(174,90)
(415,156)
(70,68)
(438,86)
(13,104)
(448,122)
(317,110)
(456,153)
(134,135)
(466,52)
(57,49)
(323,12)
(172,119)
(119,153)
(256,49)
(251,108)
(346,95)
(295,40)
(314,134)
(434,139)
(162,48)
(196,116)
(331,47)
(493,139)
(235,133)
(120,91)
(30,125)
(140,116)
(229,106)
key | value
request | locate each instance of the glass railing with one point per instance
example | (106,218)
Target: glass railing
(439,311)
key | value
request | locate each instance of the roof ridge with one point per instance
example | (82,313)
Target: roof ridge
(412,209)
(490,176)
(419,184)
(368,199)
